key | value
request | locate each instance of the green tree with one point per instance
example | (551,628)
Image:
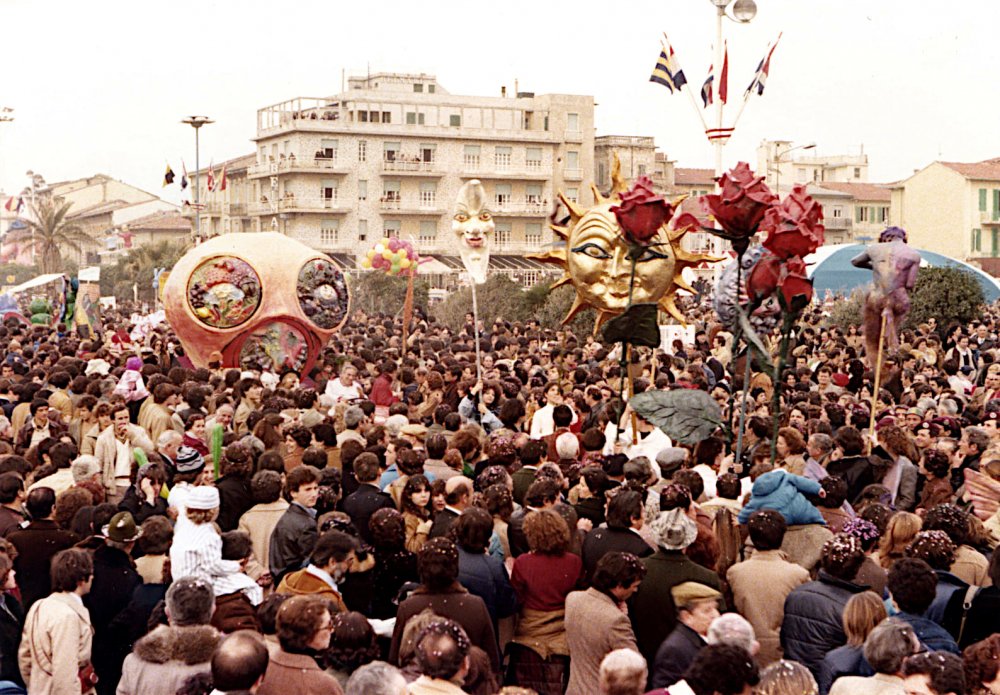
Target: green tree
(15,273)
(949,294)
(376,292)
(847,312)
(138,266)
(48,233)
(498,297)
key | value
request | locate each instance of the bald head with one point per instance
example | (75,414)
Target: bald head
(239,661)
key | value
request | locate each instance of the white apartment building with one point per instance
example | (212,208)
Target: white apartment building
(783,163)
(386,158)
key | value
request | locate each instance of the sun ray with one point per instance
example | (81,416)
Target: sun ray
(578,306)
(618,183)
(667,304)
(560,230)
(575,211)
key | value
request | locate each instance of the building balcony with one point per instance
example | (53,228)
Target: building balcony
(838,223)
(404,167)
(285,124)
(235,209)
(299,165)
(316,204)
(513,173)
(398,206)
(520,208)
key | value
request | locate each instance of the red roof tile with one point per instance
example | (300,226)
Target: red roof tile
(163,220)
(694,177)
(988,169)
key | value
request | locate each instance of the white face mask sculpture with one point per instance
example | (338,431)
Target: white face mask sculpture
(473,226)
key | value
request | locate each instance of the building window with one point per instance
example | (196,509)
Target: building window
(573,194)
(428,193)
(573,122)
(502,157)
(328,148)
(800,175)
(329,232)
(982,200)
(995,242)
(533,158)
(502,195)
(362,189)
(503,235)
(390,192)
(572,159)
(470,156)
(430,89)
(362,230)
(883,213)
(602,173)
(328,191)
(362,116)
(427,152)
(362,150)
(996,205)
(428,231)
(386,117)
(533,194)
(390,151)
(977,240)
(374,116)
(455,121)
(418,88)
(861,214)
(390,228)
(857,172)
(546,123)
(411,117)
(838,210)
(642,170)
(533,234)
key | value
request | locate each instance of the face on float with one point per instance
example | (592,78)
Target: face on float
(473,226)
(599,263)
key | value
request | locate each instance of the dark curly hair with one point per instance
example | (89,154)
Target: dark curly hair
(388,529)
(499,501)
(913,585)
(944,671)
(617,569)
(982,661)
(722,669)
(842,556)
(353,644)
(415,483)
(937,463)
(951,520)
(472,530)
(934,548)
(437,564)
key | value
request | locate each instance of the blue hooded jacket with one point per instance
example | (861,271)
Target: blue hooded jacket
(785,493)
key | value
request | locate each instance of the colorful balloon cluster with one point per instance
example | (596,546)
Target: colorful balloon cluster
(391,255)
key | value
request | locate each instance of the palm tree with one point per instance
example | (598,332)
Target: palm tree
(48,233)
(140,263)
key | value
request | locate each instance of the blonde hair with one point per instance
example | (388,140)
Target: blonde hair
(903,527)
(861,614)
(787,678)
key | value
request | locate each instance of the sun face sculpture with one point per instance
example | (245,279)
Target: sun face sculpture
(595,259)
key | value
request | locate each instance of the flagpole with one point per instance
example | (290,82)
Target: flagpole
(197,122)
(685,88)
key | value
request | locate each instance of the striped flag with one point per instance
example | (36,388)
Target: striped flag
(706,87)
(760,76)
(668,71)
(184,175)
(222,178)
(210,183)
(168,176)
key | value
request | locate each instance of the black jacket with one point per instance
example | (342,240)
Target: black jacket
(442,523)
(856,471)
(235,498)
(36,545)
(602,541)
(813,623)
(139,508)
(361,504)
(675,655)
(11,625)
(292,541)
(115,578)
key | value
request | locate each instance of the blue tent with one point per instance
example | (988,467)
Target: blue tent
(830,268)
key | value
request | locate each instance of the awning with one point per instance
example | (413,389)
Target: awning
(518,263)
(453,264)
(343,261)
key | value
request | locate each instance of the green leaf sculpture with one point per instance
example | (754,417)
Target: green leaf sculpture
(637,326)
(685,415)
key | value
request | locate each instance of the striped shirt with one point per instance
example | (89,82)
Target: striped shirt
(197,552)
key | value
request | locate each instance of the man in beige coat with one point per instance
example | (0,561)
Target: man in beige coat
(761,583)
(596,621)
(259,521)
(114,450)
(57,636)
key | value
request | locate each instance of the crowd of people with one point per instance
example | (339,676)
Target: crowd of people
(399,521)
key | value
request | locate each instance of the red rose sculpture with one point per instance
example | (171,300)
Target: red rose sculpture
(741,205)
(796,287)
(794,228)
(642,212)
(764,277)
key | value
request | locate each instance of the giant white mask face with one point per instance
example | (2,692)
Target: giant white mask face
(473,226)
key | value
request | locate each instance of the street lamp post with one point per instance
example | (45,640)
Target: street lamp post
(777,163)
(743,12)
(197,122)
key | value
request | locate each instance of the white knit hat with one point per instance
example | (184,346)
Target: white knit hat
(203,497)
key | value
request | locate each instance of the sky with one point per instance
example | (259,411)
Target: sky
(101,86)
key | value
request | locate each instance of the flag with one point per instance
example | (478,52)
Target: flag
(168,177)
(706,88)
(20,204)
(724,76)
(222,178)
(763,67)
(211,177)
(668,71)
(184,176)
(10,204)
